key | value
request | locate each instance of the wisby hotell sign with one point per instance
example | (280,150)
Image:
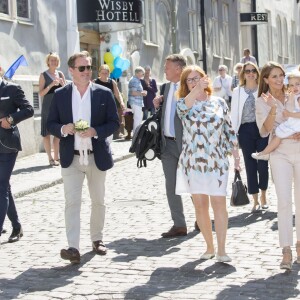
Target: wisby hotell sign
(109,11)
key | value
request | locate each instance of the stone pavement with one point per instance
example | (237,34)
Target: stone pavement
(33,173)
(139,264)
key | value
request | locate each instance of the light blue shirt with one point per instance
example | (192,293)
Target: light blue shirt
(135,85)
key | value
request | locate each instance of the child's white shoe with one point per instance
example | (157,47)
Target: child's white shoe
(259,156)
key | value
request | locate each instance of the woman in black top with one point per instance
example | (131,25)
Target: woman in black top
(49,81)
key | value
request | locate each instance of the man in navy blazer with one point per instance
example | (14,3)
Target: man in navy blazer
(83,100)
(14,108)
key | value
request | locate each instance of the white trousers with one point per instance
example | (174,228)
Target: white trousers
(73,178)
(285,166)
(137,116)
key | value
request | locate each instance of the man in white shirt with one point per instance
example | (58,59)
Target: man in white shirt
(247,57)
(172,141)
(95,104)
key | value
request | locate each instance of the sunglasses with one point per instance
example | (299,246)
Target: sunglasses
(82,68)
(194,79)
(250,71)
(221,69)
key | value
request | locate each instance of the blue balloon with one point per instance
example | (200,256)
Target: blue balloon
(125,65)
(116,50)
(118,62)
(116,73)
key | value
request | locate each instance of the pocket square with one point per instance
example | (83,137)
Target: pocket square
(4,98)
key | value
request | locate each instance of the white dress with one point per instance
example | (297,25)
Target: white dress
(207,140)
(291,125)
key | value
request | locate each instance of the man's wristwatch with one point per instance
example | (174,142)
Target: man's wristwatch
(10,120)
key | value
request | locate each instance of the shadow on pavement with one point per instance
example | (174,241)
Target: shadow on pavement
(281,286)
(172,279)
(31,169)
(249,218)
(41,279)
(130,249)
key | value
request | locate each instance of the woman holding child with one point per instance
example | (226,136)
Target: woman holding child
(284,160)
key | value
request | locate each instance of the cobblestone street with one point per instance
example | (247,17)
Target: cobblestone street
(140,264)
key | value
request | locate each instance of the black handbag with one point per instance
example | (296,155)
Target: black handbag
(239,195)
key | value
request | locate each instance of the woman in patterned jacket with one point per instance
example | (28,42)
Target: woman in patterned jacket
(208,139)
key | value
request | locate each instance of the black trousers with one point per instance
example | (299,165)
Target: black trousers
(7,204)
(257,170)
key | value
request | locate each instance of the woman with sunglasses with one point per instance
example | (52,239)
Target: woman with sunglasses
(284,160)
(244,123)
(208,139)
(49,81)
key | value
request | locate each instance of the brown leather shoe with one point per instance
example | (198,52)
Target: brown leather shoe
(99,247)
(71,254)
(175,231)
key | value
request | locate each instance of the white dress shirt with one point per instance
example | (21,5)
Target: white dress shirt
(168,109)
(81,109)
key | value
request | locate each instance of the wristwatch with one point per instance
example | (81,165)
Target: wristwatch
(10,120)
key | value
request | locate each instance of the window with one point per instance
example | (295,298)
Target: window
(285,36)
(226,31)
(270,37)
(23,9)
(293,42)
(279,39)
(193,27)
(215,29)
(149,21)
(15,9)
(4,8)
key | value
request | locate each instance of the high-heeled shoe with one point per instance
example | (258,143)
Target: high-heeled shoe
(298,256)
(286,264)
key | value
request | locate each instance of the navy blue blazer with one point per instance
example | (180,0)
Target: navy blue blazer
(104,118)
(14,103)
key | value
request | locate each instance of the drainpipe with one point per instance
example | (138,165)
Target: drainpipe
(202,24)
(173,22)
(254,28)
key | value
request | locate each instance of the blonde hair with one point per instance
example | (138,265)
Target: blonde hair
(293,75)
(242,77)
(52,55)
(104,67)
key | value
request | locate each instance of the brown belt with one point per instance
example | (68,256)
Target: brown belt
(76,152)
(170,138)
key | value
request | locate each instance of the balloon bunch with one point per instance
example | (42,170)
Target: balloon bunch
(116,63)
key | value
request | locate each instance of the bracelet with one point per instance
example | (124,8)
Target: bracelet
(237,158)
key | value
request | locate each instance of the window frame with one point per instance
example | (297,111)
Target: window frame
(193,24)
(12,14)
(150,30)
(225,19)
(215,29)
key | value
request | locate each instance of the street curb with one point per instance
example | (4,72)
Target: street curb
(58,181)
